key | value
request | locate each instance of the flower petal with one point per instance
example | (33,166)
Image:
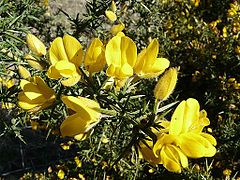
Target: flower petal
(57,51)
(73,49)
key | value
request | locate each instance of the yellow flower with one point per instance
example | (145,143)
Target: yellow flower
(117,28)
(95,56)
(23,72)
(186,126)
(65,56)
(61,174)
(113,6)
(36,95)
(121,55)
(78,162)
(7,82)
(148,65)
(166,84)
(85,117)
(111,15)
(185,137)
(35,45)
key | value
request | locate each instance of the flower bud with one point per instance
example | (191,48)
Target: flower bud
(35,45)
(23,72)
(166,84)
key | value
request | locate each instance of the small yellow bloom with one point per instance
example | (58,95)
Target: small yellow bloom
(121,56)
(166,84)
(224,32)
(78,162)
(81,177)
(148,65)
(113,6)
(36,95)
(87,115)
(95,56)
(7,82)
(65,56)
(23,72)
(117,28)
(111,15)
(35,45)
(61,174)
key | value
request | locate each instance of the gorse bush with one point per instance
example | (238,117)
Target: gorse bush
(124,95)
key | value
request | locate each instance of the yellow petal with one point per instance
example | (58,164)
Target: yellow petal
(95,56)
(166,84)
(210,138)
(57,51)
(47,92)
(30,89)
(113,6)
(74,124)
(53,73)
(73,49)
(121,50)
(169,160)
(65,68)
(24,73)
(111,15)
(82,105)
(125,71)
(71,81)
(34,63)
(35,45)
(196,146)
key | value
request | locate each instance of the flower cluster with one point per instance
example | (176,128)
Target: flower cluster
(67,65)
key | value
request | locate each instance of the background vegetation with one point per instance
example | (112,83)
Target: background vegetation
(202,37)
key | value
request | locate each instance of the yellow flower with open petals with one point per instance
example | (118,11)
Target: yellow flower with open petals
(95,56)
(148,65)
(187,124)
(121,56)
(36,95)
(35,45)
(65,56)
(185,137)
(87,114)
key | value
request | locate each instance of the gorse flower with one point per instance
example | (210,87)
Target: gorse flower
(36,95)
(121,56)
(86,115)
(182,137)
(65,56)
(111,14)
(95,56)
(35,45)
(148,65)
